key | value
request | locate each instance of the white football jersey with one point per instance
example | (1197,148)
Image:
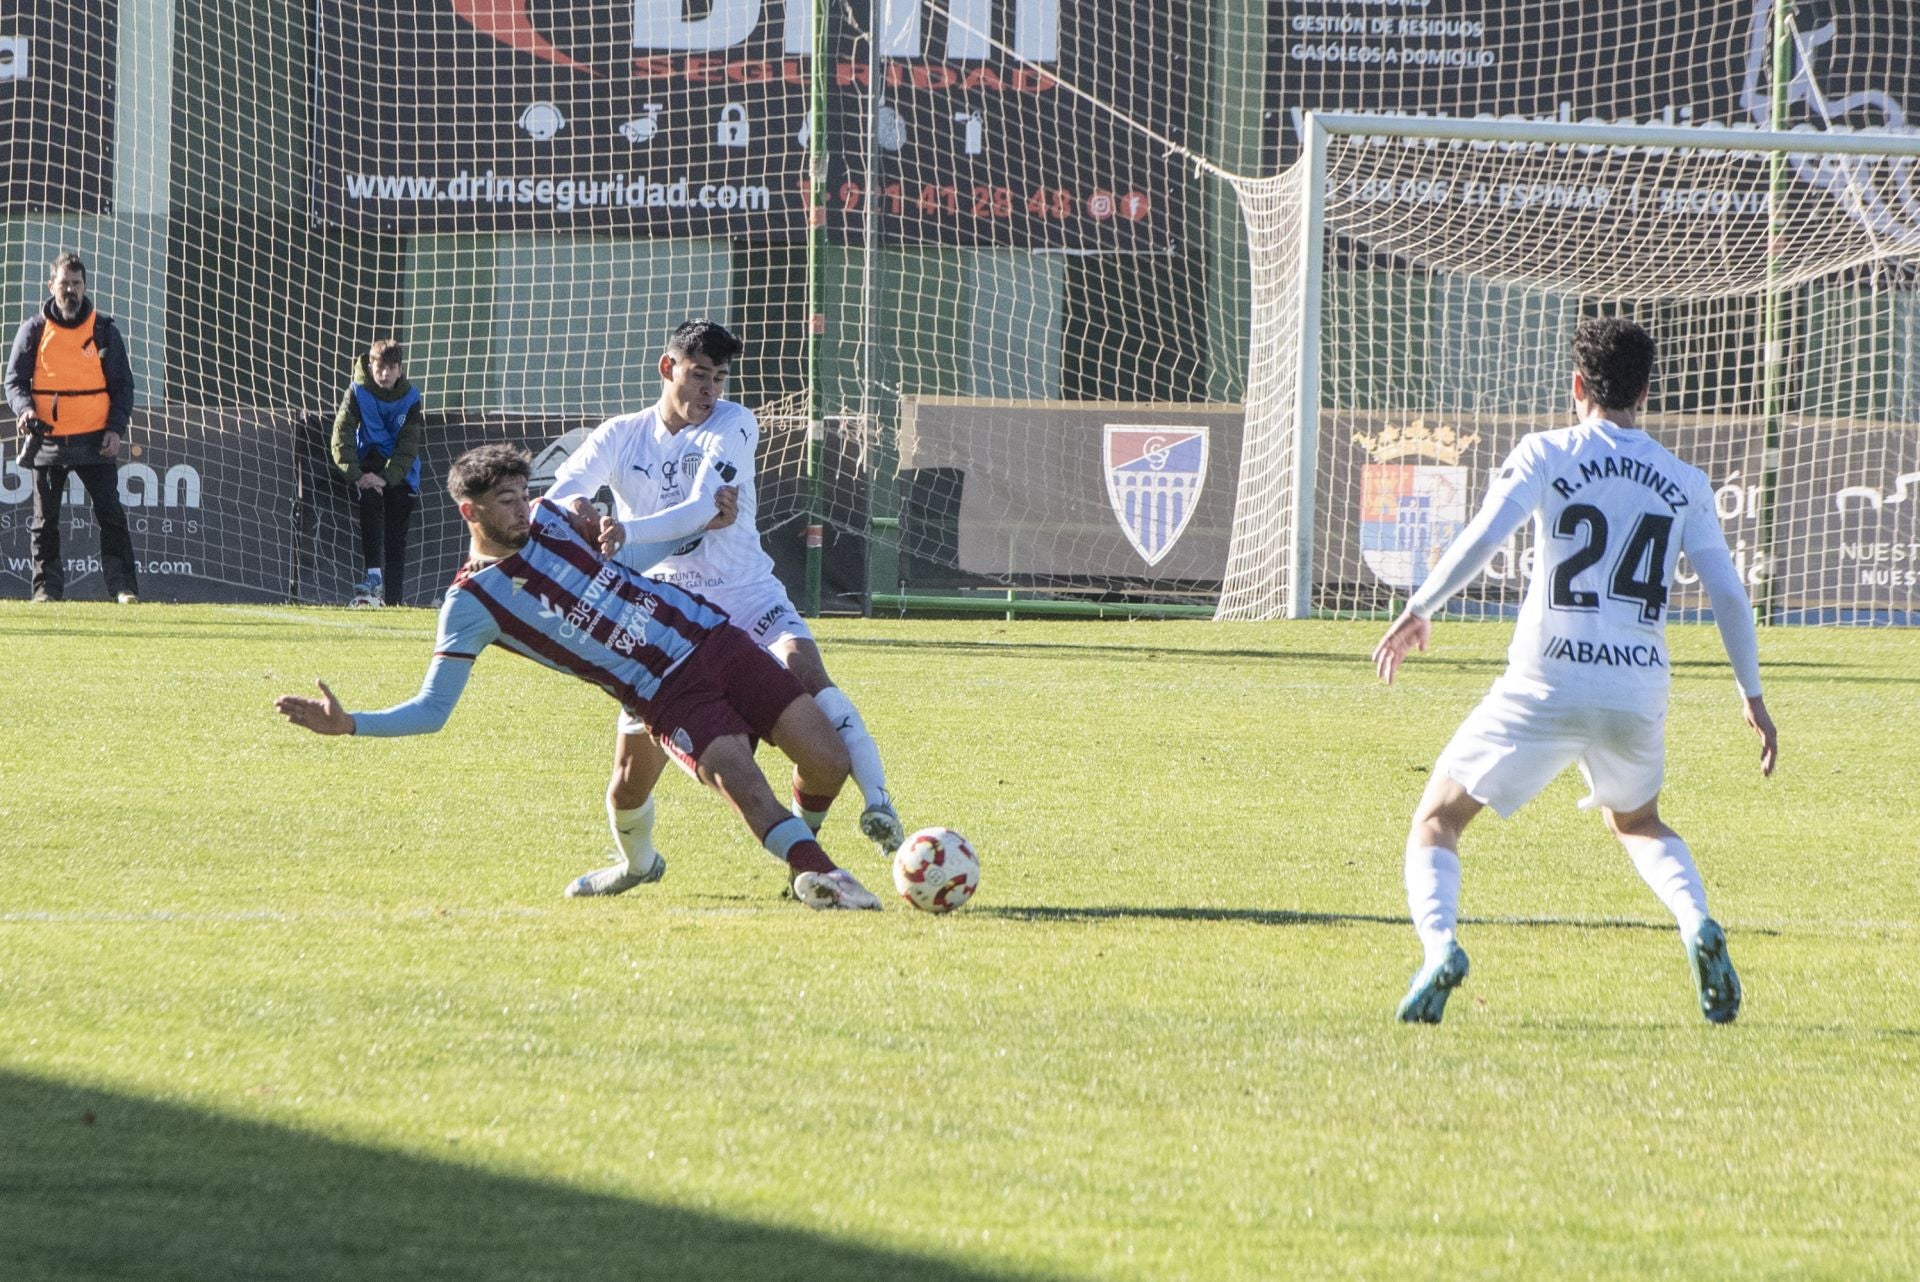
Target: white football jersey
(649,469)
(1612,511)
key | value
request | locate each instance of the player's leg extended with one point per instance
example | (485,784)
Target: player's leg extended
(879,822)
(727,766)
(637,763)
(1433,895)
(1666,865)
(819,756)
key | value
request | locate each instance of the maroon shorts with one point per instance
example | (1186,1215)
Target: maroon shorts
(728,685)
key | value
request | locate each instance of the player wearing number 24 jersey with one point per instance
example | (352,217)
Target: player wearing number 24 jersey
(1613,510)
(1588,669)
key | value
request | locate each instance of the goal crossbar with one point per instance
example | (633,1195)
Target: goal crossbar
(1793,142)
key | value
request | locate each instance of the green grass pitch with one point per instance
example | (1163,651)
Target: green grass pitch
(273,1006)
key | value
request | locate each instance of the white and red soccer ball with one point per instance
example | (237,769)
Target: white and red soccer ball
(935,870)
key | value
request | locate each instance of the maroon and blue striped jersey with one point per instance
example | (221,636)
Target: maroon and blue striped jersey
(558,602)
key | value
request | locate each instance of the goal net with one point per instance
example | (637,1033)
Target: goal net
(1014,323)
(1418,283)
(529,197)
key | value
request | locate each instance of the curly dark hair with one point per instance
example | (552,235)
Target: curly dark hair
(482,468)
(1615,357)
(706,338)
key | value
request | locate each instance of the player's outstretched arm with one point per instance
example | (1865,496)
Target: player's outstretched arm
(1755,711)
(322,716)
(1409,632)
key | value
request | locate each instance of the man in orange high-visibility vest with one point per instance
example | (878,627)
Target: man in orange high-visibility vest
(70,387)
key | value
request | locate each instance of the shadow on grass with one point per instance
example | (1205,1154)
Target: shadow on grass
(1291,917)
(1256,916)
(102,1185)
(1146,650)
(1138,650)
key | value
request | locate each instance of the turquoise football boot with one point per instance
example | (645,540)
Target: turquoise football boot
(1426,999)
(1713,972)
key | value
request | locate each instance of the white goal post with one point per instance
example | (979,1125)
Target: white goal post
(1416,281)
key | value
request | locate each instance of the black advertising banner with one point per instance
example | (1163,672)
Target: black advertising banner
(209,496)
(57,106)
(470,115)
(978,142)
(1589,62)
(655,118)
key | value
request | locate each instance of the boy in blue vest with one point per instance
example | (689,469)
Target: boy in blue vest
(376,446)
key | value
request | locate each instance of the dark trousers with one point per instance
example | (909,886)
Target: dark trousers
(102,482)
(384,515)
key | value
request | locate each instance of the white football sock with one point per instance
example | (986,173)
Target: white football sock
(633,834)
(1666,865)
(868,775)
(1433,896)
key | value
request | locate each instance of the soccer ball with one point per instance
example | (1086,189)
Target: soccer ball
(935,870)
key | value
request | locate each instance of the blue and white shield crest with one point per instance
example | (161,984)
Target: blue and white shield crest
(1154,475)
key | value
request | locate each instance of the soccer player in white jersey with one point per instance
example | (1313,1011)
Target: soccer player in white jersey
(683,450)
(536,586)
(1587,671)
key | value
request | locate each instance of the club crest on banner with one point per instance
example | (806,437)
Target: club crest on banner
(1154,475)
(1410,511)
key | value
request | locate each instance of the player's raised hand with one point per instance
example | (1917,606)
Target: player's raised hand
(322,716)
(726,505)
(1409,632)
(1755,711)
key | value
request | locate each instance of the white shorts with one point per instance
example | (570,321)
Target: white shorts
(1510,748)
(762,610)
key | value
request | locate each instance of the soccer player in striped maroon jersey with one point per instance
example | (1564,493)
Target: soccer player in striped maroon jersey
(537,585)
